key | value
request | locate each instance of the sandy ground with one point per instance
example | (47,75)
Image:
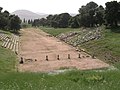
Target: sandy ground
(36,44)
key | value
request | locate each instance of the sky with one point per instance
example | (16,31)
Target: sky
(47,6)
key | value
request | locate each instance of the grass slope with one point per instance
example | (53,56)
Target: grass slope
(5,32)
(7,60)
(107,48)
(57,31)
(74,80)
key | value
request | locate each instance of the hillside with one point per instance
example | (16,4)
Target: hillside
(28,14)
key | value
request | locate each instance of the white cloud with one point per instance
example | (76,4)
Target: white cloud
(47,6)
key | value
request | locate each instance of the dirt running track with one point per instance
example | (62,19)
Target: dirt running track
(36,44)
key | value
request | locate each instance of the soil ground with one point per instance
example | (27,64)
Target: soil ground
(35,45)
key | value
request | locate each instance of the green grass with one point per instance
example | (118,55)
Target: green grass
(73,80)
(57,31)
(6,32)
(25,25)
(7,60)
(107,48)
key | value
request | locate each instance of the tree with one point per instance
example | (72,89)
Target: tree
(73,22)
(64,19)
(43,22)
(6,14)
(24,21)
(52,20)
(8,22)
(49,20)
(112,13)
(92,17)
(54,24)
(91,5)
(15,23)
(36,23)
(85,20)
(99,15)
(58,21)
(3,22)
(90,14)
(29,21)
(1,9)
(4,19)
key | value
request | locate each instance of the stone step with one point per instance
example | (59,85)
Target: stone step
(11,46)
(17,47)
(4,42)
(2,37)
(7,43)
(14,45)
(11,41)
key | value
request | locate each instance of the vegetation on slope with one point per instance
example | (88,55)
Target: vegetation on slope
(107,48)
(8,59)
(9,22)
(57,31)
(84,35)
(74,80)
(90,15)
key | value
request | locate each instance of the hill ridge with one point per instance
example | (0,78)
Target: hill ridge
(28,14)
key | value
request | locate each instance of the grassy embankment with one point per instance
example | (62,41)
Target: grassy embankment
(57,31)
(107,48)
(7,58)
(73,80)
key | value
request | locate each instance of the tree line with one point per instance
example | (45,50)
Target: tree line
(8,21)
(90,15)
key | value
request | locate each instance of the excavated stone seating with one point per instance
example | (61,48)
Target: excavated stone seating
(10,42)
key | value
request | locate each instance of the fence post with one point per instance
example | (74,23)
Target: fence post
(79,56)
(58,58)
(68,56)
(46,58)
(21,60)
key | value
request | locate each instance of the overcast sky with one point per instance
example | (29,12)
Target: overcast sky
(47,6)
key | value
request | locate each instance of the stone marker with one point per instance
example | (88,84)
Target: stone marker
(58,58)
(68,56)
(35,59)
(79,56)
(21,60)
(46,58)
